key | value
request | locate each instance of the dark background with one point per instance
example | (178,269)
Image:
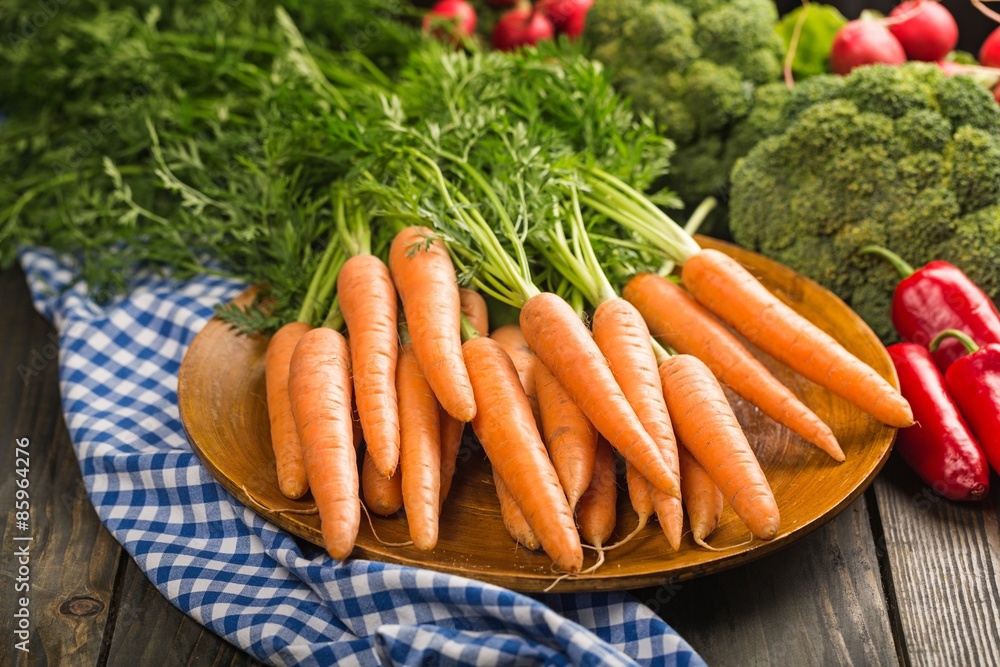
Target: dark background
(973,27)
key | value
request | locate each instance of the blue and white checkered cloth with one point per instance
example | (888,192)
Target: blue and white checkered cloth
(240,575)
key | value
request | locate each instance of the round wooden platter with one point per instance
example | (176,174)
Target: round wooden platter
(223,408)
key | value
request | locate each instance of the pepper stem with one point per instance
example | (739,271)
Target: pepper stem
(962,337)
(898,263)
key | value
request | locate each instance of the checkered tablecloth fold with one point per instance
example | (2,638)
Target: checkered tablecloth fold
(282,601)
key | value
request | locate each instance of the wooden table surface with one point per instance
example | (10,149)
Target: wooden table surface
(902,576)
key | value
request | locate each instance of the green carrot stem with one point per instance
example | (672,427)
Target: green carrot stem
(468,330)
(691,227)
(404,333)
(319,279)
(334,319)
(967,342)
(633,210)
(902,268)
(659,351)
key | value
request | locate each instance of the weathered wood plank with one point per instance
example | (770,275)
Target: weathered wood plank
(944,560)
(817,602)
(73,559)
(151,631)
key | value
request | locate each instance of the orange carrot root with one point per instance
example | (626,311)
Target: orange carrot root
(562,342)
(475,310)
(510,337)
(284,437)
(420,452)
(383,495)
(724,287)
(319,385)
(513,520)
(425,280)
(701,496)
(569,436)
(507,431)
(597,514)
(675,318)
(367,301)
(705,423)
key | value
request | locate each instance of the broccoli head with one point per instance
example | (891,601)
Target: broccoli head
(693,66)
(901,157)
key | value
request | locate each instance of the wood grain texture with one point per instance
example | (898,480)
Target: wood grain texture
(222,402)
(817,602)
(150,631)
(78,570)
(944,562)
(73,559)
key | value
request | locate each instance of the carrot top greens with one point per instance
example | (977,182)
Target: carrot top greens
(204,140)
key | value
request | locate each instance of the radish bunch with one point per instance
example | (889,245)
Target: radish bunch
(523,24)
(914,30)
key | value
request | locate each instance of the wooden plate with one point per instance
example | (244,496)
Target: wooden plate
(223,408)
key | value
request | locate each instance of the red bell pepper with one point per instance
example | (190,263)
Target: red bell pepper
(940,447)
(938,297)
(974,381)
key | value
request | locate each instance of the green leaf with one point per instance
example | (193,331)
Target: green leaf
(820,26)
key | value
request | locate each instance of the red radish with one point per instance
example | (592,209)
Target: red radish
(989,54)
(926,29)
(452,20)
(521,26)
(864,42)
(996,94)
(567,16)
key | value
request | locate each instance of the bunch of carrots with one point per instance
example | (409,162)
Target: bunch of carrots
(520,177)
(551,400)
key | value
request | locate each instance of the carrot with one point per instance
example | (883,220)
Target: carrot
(675,318)
(475,310)
(724,287)
(559,338)
(367,301)
(383,495)
(319,384)
(420,450)
(452,432)
(640,493)
(597,511)
(510,337)
(670,513)
(569,436)
(284,437)
(622,336)
(701,496)
(425,280)
(507,431)
(706,425)
(513,520)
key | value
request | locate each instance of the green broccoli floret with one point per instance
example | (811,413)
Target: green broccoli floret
(766,118)
(693,65)
(883,156)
